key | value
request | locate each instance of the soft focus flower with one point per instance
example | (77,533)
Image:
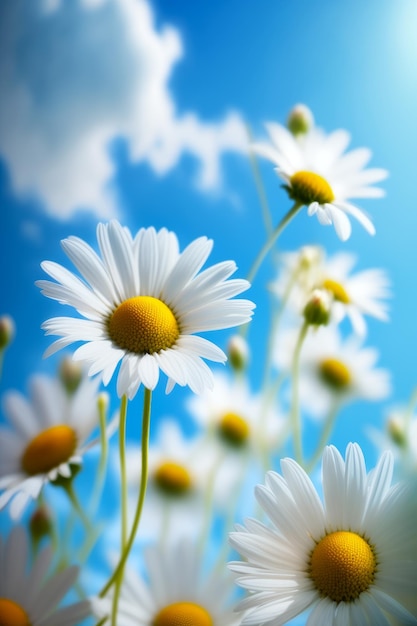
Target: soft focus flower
(332,369)
(31,598)
(354,295)
(237,417)
(49,435)
(320,175)
(179,472)
(243,431)
(175,593)
(143,302)
(399,436)
(351,560)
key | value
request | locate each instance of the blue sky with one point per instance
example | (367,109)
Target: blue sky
(110,127)
(137,110)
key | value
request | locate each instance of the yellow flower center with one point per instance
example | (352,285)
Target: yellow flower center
(183,614)
(342,566)
(335,374)
(12,614)
(50,448)
(308,187)
(337,290)
(143,325)
(233,429)
(173,479)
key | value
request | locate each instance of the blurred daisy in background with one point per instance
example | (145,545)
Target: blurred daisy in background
(239,421)
(332,369)
(351,560)
(31,598)
(49,434)
(175,591)
(354,295)
(179,472)
(143,301)
(320,174)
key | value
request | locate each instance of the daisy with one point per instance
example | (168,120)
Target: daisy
(30,599)
(332,369)
(355,295)
(236,417)
(349,560)
(143,301)
(48,437)
(175,592)
(319,174)
(179,472)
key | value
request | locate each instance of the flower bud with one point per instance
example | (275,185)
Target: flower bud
(238,353)
(70,374)
(40,524)
(396,431)
(7,331)
(300,120)
(317,310)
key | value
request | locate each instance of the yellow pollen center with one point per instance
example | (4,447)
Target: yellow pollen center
(172,479)
(233,429)
(335,374)
(342,566)
(12,614)
(308,187)
(48,449)
(183,614)
(337,290)
(143,325)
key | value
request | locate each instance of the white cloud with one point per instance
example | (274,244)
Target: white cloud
(74,76)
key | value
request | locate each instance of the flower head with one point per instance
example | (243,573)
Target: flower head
(320,175)
(32,598)
(142,303)
(179,471)
(236,416)
(175,592)
(333,369)
(349,560)
(48,438)
(354,295)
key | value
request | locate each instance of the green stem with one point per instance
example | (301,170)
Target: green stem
(266,213)
(295,409)
(325,435)
(123,478)
(69,489)
(143,482)
(208,502)
(104,447)
(272,239)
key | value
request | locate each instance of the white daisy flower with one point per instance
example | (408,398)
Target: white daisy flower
(175,592)
(332,368)
(242,430)
(236,416)
(31,598)
(179,472)
(143,301)
(350,561)
(354,295)
(319,174)
(49,435)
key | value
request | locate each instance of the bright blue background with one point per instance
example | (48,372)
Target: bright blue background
(354,64)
